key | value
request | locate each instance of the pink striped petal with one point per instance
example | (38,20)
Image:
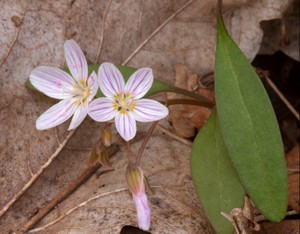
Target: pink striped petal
(111,81)
(143,210)
(125,125)
(93,85)
(79,115)
(52,81)
(56,115)
(139,83)
(76,60)
(101,110)
(147,110)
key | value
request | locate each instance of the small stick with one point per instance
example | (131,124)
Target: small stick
(284,100)
(15,38)
(37,174)
(156,31)
(85,175)
(261,218)
(178,138)
(102,30)
(75,208)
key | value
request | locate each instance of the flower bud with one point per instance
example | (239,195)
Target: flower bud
(135,181)
(106,136)
(100,155)
(104,158)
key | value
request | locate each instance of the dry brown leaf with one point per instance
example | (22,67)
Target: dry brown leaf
(284,227)
(186,119)
(37,39)
(294,198)
(293,165)
(292,158)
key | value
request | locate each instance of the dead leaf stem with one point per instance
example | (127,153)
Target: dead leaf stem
(37,174)
(156,31)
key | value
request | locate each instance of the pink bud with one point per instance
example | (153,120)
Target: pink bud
(136,185)
(143,210)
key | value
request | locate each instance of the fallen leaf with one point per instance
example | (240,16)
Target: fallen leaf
(186,119)
(106,31)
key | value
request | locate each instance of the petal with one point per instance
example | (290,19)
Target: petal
(139,83)
(126,125)
(111,81)
(76,60)
(93,85)
(143,210)
(78,117)
(52,81)
(101,110)
(56,115)
(147,110)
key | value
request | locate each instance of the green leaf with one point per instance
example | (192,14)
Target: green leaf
(216,181)
(157,87)
(249,128)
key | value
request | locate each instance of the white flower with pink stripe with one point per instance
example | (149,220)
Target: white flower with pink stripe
(122,101)
(75,92)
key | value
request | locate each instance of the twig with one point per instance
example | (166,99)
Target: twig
(145,141)
(15,38)
(281,96)
(75,208)
(37,174)
(156,31)
(260,218)
(102,30)
(182,140)
(85,175)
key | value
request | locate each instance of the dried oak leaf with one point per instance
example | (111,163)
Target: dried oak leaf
(292,161)
(186,119)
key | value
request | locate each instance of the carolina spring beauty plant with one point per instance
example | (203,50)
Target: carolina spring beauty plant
(122,102)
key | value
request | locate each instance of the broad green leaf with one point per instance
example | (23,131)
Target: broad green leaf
(249,128)
(216,181)
(157,87)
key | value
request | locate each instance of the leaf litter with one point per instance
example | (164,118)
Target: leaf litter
(24,150)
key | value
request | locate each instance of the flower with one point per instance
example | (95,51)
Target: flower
(136,185)
(75,91)
(123,102)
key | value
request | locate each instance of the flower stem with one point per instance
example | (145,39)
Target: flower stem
(146,139)
(129,153)
(194,102)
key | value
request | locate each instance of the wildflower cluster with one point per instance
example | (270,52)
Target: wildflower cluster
(122,103)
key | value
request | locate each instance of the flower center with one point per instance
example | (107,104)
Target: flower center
(81,92)
(124,103)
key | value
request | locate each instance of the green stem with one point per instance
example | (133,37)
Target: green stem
(146,139)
